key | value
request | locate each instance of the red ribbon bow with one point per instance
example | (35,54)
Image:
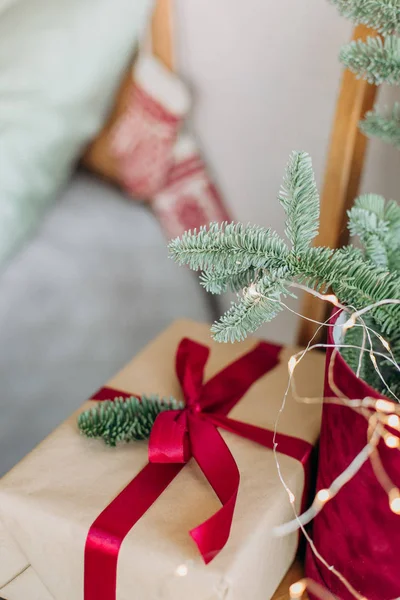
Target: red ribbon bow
(176,437)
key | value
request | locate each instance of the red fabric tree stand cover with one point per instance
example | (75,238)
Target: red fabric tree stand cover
(356,531)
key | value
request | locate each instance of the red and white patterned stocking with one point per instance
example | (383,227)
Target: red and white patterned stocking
(190,199)
(144,136)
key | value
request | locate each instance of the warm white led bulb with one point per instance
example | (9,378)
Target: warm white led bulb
(323,496)
(349,323)
(394,421)
(373,359)
(297,590)
(252,291)
(395,506)
(332,298)
(384,343)
(384,406)
(181,571)
(292,364)
(392,441)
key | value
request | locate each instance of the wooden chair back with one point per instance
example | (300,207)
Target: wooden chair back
(346,157)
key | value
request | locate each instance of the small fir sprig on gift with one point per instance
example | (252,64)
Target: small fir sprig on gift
(261,265)
(124,419)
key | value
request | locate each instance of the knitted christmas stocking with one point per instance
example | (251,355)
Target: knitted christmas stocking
(144,135)
(189,199)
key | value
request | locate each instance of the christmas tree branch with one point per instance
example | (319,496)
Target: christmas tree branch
(377,224)
(381,15)
(233,254)
(218,282)
(375,60)
(260,304)
(230,248)
(386,128)
(300,200)
(258,263)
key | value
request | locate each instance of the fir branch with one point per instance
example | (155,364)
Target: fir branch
(381,15)
(258,305)
(218,282)
(392,216)
(355,281)
(300,200)
(383,127)
(124,419)
(229,247)
(375,60)
(257,261)
(366,221)
(372,203)
(377,224)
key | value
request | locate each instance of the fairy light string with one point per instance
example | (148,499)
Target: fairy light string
(379,413)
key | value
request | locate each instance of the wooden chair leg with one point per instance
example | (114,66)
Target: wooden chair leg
(162,33)
(345,164)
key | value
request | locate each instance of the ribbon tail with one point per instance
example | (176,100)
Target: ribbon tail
(219,467)
(108,531)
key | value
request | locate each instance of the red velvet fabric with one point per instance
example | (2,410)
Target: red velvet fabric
(356,532)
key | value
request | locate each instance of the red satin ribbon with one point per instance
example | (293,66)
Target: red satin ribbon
(175,438)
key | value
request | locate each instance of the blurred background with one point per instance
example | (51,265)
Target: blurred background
(85,279)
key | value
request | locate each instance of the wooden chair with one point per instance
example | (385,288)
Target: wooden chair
(344,168)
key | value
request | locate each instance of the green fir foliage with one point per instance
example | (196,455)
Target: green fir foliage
(124,419)
(381,15)
(384,127)
(259,264)
(300,200)
(377,225)
(376,60)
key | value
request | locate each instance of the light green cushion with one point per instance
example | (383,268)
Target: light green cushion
(60,65)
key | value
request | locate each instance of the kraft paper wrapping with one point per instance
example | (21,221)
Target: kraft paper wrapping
(12,561)
(50,500)
(27,586)
(18,581)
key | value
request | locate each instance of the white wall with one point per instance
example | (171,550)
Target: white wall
(266,77)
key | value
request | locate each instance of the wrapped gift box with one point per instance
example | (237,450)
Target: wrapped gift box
(50,500)
(12,561)
(18,581)
(26,586)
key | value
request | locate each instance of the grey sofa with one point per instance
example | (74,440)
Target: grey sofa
(89,291)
